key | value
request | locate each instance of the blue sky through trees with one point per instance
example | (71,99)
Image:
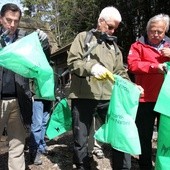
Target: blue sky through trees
(2,2)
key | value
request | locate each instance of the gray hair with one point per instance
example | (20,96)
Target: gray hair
(159,17)
(110,13)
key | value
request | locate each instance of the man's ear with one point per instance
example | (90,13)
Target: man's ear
(100,20)
(0,20)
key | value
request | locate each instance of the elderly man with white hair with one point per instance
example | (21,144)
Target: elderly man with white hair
(92,65)
(146,60)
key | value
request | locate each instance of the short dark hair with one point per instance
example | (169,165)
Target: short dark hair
(10,7)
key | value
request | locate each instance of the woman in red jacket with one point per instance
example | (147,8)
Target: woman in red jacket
(146,61)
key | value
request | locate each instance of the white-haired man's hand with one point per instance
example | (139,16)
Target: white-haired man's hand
(101,73)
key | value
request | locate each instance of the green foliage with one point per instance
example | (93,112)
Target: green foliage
(68,17)
(76,16)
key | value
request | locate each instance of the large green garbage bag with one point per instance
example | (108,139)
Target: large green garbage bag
(119,129)
(163,146)
(163,102)
(26,57)
(163,106)
(60,120)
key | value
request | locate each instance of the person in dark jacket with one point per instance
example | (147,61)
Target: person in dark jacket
(146,60)
(15,95)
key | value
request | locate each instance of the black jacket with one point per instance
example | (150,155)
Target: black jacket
(23,92)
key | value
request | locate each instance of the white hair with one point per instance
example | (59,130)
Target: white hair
(110,13)
(160,17)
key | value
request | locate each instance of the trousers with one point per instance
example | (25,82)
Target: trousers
(38,128)
(145,120)
(82,116)
(10,117)
(93,144)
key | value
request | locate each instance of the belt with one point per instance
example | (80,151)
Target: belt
(8,96)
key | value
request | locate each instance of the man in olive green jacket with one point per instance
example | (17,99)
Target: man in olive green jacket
(92,83)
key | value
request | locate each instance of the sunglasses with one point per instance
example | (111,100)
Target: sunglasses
(110,27)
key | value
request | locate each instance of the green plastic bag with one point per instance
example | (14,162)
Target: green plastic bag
(163,146)
(60,120)
(26,57)
(119,129)
(163,101)
(163,106)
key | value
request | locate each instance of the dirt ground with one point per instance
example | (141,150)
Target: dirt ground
(60,156)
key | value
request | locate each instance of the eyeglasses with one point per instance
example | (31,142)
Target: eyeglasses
(153,32)
(110,27)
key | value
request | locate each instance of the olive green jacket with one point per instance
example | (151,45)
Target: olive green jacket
(83,84)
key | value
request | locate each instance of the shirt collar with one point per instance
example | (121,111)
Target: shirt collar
(159,46)
(8,39)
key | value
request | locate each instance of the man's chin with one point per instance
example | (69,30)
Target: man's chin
(155,42)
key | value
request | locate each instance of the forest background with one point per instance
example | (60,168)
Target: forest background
(69,17)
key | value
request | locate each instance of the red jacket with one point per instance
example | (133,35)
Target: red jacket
(143,61)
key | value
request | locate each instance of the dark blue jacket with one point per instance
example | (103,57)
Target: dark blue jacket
(23,92)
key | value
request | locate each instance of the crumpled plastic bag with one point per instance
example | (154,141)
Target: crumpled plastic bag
(60,120)
(163,147)
(120,129)
(26,57)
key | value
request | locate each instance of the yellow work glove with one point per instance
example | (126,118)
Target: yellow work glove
(101,73)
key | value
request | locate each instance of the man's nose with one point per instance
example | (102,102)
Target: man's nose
(12,23)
